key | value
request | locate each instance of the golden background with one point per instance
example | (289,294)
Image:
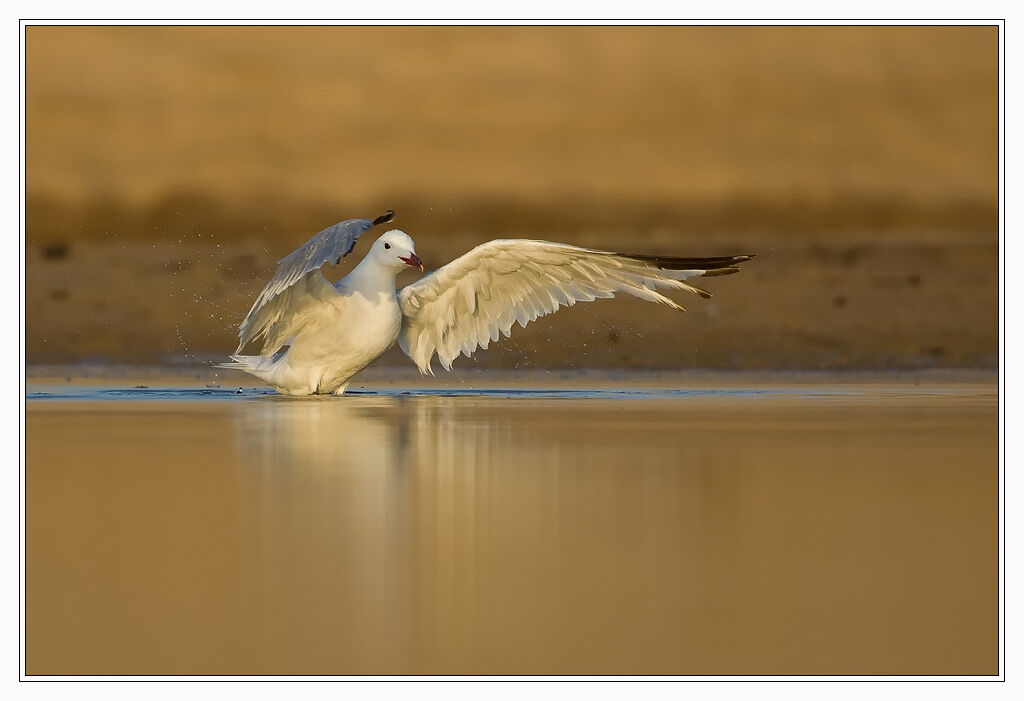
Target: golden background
(169,167)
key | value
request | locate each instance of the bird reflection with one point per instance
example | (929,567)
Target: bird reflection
(418,524)
(318,434)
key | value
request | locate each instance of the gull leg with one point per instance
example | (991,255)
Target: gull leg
(341,390)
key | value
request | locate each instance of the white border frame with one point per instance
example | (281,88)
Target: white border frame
(1001,23)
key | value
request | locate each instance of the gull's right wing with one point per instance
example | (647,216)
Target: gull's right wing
(465,304)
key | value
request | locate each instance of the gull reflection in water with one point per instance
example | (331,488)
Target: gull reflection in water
(424,529)
(328,484)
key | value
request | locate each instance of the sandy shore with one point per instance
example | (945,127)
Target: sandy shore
(831,303)
(388,376)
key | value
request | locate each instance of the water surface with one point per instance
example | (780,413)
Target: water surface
(749,530)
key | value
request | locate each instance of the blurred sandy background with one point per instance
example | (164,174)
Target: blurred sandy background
(168,168)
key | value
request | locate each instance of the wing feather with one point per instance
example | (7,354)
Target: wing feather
(479,296)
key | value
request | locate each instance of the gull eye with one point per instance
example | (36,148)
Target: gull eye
(387,245)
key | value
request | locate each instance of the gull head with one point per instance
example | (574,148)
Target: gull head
(395,250)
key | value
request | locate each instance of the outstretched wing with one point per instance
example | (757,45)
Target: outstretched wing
(281,294)
(466,303)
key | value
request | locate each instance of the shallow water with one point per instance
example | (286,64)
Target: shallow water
(750,530)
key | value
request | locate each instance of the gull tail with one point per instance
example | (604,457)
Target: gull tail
(261,366)
(247,363)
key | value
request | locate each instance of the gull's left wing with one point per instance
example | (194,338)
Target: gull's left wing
(290,285)
(467,303)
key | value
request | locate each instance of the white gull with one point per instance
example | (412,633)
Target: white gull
(317,336)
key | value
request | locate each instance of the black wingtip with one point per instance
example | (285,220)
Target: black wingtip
(386,217)
(670,263)
(721,271)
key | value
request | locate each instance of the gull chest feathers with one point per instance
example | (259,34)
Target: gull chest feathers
(317,336)
(326,353)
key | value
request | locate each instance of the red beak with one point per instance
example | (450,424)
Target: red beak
(413,260)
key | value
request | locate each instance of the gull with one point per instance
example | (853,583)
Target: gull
(317,336)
